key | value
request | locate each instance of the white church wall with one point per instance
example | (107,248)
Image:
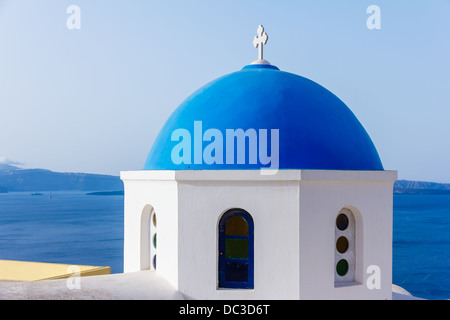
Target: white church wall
(273,206)
(294,214)
(369,197)
(160,193)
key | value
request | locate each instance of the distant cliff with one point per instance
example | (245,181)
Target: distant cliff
(420,187)
(16,179)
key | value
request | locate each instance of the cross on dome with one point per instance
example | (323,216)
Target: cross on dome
(258,42)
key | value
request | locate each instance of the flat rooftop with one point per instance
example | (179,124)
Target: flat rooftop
(141,285)
(11,270)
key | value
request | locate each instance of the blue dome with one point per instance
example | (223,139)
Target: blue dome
(316,130)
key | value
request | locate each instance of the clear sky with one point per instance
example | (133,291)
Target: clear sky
(93,99)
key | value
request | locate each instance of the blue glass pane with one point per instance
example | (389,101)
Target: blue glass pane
(236,271)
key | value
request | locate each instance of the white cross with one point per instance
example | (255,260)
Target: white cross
(260,40)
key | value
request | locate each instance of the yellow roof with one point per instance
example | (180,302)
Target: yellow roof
(34,271)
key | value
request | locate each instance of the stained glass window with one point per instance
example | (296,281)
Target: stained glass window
(153,236)
(345,247)
(236,250)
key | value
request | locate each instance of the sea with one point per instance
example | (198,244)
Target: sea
(80,229)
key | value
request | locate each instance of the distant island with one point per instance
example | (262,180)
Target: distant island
(13,179)
(105,193)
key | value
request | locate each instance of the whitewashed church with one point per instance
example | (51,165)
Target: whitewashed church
(262,185)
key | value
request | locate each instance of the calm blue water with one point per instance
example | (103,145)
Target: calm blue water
(421,245)
(70,228)
(74,228)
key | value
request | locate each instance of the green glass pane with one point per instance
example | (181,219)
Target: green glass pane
(236,248)
(236,226)
(154,241)
(342,267)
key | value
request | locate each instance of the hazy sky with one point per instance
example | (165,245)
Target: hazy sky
(93,99)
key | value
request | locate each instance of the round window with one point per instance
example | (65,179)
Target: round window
(342,244)
(342,267)
(342,222)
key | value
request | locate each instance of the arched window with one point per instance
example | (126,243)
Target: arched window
(236,250)
(152,240)
(148,238)
(345,247)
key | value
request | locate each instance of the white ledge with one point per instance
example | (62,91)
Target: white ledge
(258,175)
